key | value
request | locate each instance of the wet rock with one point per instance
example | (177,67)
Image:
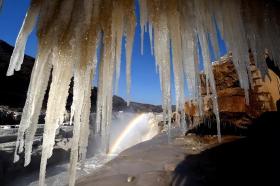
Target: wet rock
(169,167)
(179,141)
(130,179)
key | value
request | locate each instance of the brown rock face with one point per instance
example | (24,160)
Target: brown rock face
(225,75)
(231,98)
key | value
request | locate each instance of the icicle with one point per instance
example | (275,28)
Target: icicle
(234,34)
(130,30)
(78,98)
(34,107)
(26,29)
(37,88)
(84,131)
(188,48)
(176,43)
(118,29)
(198,96)
(162,54)
(61,76)
(151,38)
(214,96)
(143,21)
(201,8)
(90,73)
(99,97)
(82,88)
(82,93)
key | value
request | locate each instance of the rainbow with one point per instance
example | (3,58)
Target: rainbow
(130,127)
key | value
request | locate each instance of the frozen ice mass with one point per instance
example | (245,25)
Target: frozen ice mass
(71,31)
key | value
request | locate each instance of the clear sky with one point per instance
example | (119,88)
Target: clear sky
(145,85)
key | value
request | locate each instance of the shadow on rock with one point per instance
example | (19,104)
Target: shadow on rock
(253,160)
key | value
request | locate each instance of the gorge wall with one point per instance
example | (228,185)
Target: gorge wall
(264,94)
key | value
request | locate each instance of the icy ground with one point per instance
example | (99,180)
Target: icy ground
(144,129)
(149,163)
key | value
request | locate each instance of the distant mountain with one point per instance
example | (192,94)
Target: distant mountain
(14,88)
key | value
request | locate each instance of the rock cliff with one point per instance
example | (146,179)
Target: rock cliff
(264,94)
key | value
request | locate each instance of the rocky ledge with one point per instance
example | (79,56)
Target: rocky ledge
(197,161)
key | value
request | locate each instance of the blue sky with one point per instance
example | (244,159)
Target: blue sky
(145,85)
(145,82)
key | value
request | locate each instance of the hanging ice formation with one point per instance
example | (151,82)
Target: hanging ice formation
(70,31)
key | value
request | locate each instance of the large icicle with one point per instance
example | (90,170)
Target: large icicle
(176,44)
(33,109)
(62,63)
(104,73)
(118,29)
(202,25)
(162,55)
(83,66)
(38,85)
(61,76)
(26,29)
(91,43)
(188,47)
(129,30)
(235,37)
